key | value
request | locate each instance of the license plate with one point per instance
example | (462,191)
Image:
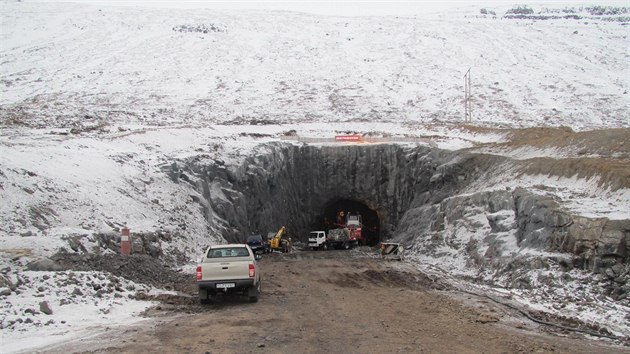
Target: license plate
(225,285)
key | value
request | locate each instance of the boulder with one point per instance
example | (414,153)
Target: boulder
(154,250)
(44,265)
(6,283)
(45,308)
(31,311)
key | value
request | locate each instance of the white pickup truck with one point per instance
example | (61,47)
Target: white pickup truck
(228,269)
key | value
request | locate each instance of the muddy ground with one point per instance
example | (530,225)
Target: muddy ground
(338,301)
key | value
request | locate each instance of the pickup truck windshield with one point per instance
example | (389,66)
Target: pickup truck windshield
(228,252)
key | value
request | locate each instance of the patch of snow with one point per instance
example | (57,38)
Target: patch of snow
(572,294)
(581,196)
(80,303)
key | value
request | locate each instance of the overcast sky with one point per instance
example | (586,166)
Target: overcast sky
(345,8)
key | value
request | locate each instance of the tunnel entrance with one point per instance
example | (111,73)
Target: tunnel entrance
(370,219)
(301,187)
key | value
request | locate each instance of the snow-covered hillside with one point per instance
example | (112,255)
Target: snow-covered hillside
(66,63)
(98,104)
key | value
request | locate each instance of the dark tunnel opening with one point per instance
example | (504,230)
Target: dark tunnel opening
(370,219)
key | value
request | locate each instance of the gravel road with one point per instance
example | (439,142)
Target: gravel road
(339,302)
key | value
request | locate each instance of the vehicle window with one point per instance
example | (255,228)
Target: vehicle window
(254,239)
(228,252)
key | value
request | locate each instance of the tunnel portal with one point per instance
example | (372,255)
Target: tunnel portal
(371,221)
(301,187)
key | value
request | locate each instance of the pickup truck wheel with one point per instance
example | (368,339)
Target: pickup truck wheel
(204,299)
(255,292)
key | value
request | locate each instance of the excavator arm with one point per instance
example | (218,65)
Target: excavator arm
(276,241)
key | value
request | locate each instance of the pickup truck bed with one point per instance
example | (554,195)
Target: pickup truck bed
(228,269)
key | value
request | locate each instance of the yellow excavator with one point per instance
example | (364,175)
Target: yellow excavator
(279,241)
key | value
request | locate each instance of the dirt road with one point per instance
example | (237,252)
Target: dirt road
(328,302)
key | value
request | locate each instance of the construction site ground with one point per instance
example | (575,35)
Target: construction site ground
(338,302)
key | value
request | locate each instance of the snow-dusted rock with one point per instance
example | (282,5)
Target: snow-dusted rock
(502,221)
(44,265)
(6,283)
(44,307)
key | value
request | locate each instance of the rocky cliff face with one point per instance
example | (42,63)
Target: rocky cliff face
(417,193)
(508,233)
(291,185)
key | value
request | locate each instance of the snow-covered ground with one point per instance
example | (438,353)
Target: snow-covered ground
(65,64)
(96,101)
(538,279)
(81,304)
(581,196)
(566,294)
(58,185)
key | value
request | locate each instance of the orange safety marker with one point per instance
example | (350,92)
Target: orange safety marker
(125,242)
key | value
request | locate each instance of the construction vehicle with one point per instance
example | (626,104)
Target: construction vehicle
(279,241)
(354,224)
(347,235)
(334,239)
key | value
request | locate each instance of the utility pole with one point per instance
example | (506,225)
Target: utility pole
(467,97)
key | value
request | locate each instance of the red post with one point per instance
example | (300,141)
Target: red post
(125,242)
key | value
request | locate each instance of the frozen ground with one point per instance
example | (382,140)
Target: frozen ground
(565,295)
(81,305)
(537,280)
(97,100)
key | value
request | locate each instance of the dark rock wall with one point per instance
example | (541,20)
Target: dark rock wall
(414,191)
(292,185)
